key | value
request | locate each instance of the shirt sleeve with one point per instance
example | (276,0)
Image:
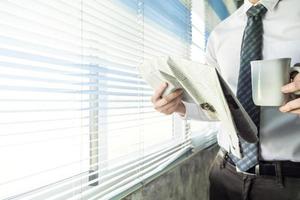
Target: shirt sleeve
(210,51)
(193,111)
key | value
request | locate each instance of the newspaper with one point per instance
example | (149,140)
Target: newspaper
(202,85)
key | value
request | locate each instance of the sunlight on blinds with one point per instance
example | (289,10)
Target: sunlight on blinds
(76,121)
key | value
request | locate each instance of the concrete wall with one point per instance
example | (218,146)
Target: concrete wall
(187,181)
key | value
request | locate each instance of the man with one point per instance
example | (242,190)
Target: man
(270,169)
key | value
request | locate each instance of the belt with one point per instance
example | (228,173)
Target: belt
(270,168)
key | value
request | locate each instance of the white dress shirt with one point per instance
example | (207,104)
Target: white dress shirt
(279,132)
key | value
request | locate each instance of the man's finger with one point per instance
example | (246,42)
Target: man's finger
(161,106)
(297,77)
(173,95)
(291,87)
(290,106)
(168,98)
(170,111)
(296,111)
(164,109)
(173,108)
(163,102)
(159,103)
(158,92)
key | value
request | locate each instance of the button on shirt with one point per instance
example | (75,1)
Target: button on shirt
(279,132)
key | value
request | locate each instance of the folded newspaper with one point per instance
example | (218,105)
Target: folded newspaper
(202,85)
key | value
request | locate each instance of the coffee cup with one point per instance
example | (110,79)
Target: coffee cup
(268,76)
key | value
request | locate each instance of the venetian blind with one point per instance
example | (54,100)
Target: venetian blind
(76,121)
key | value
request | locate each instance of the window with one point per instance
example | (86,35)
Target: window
(75,117)
(206,15)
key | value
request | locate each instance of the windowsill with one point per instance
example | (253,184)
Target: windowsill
(186,156)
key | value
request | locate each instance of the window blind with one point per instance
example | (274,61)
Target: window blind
(203,134)
(76,121)
(206,15)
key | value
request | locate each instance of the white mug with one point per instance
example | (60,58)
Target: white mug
(268,76)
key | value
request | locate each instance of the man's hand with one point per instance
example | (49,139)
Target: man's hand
(170,103)
(294,105)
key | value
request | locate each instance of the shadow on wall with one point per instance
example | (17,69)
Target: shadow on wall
(187,181)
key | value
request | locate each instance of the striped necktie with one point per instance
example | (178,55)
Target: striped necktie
(251,50)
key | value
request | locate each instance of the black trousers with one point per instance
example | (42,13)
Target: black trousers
(227,184)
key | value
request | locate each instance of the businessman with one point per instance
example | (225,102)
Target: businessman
(269,169)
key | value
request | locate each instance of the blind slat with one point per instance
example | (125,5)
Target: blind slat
(122,173)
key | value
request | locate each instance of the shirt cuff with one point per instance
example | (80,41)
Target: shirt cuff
(193,111)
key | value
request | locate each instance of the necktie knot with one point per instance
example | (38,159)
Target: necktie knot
(258,10)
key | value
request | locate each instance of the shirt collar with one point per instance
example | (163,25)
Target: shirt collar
(269,4)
